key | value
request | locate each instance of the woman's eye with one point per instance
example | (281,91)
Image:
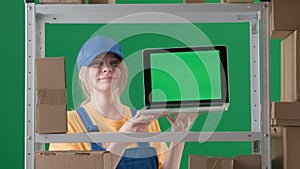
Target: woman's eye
(96,64)
(115,62)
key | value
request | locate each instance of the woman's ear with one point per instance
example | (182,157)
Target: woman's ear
(82,73)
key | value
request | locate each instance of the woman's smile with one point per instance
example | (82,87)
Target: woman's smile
(106,78)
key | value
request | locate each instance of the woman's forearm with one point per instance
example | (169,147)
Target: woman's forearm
(174,155)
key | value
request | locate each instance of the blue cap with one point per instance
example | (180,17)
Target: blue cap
(94,47)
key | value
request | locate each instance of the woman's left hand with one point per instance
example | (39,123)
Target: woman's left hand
(182,121)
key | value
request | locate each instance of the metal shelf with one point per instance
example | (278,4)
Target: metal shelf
(256,14)
(138,13)
(149,137)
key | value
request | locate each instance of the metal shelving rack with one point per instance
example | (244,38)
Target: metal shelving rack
(255,13)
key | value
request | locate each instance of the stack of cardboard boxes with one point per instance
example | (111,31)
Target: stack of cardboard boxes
(51,108)
(285,115)
(51,117)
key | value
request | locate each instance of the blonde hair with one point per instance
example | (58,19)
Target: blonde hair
(85,83)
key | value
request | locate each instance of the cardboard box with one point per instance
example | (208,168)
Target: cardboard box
(276,34)
(205,162)
(102,1)
(62,1)
(247,162)
(72,1)
(284,17)
(194,1)
(49,1)
(285,122)
(51,113)
(236,1)
(73,160)
(238,162)
(285,110)
(276,148)
(290,68)
(285,147)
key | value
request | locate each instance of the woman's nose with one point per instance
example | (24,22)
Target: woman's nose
(106,68)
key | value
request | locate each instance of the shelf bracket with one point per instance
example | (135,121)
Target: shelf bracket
(256,147)
(253,21)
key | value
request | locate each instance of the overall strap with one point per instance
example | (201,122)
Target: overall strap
(133,112)
(87,122)
(140,144)
(143,144)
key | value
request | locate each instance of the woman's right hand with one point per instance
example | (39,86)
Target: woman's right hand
(138,123)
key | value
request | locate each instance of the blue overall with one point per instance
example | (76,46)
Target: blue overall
(141,157)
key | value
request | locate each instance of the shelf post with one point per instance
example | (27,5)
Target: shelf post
(265,69)
(29,84)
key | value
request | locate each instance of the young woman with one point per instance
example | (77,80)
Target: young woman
(103,76)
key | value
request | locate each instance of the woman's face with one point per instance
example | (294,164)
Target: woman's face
(104,73)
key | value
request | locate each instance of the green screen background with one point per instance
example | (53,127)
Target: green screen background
(65,40)
(185,76)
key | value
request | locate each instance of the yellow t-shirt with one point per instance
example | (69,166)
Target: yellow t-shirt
(75,125)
